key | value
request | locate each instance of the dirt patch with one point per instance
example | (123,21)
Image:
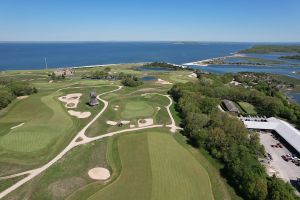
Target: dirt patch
(163,82)
(145,122)
(71,100)
(22,97)
(112,123)
(79,115)
(99,173)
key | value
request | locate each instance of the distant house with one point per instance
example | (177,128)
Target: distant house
(230,106)
(65,72)
(93,99)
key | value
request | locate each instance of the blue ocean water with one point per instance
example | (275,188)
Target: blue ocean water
(63,54)
(295,96)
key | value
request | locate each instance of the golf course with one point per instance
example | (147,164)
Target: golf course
(55,145)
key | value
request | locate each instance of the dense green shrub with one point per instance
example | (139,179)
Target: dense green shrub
(226,138)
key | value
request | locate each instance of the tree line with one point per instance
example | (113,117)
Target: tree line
(10,89)
(225,137)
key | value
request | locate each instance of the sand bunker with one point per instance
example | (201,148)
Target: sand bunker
(51,81)
(79,115)
(99,173)
(145,122)
(158,108)
(163,82)
(193,75)
(112,123)
(116,107)
(131,125)
(17,126)
(125,122)
(71,100)
(22,97)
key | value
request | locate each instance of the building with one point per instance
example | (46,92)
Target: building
(64,71)
(93,99)
(289,133)
(230,106)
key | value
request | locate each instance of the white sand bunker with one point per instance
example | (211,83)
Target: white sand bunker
(145,122)
(116,107)
(158,108)
(99,173)
(71,100)
(79,115)
(163,82)
(22,97)
(131,125)
(112,123)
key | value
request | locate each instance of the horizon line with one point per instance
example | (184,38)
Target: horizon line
(178,41)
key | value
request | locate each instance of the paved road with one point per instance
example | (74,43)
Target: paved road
(80,139)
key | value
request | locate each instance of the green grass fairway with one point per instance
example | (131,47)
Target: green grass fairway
(44,120)
(156,167)
(248,108)
(136,109)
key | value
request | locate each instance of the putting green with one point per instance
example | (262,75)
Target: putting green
(155,166)
(137,109)
(44,120)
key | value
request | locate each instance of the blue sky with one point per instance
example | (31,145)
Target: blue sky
(150,20)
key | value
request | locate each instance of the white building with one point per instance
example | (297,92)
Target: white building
(284,129)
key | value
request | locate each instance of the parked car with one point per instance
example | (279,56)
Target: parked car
(284,158)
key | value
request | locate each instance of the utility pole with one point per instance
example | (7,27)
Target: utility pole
(46,63)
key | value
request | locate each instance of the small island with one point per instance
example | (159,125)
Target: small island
(264,49)
(293,57)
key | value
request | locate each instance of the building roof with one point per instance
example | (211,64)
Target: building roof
(284,129)
(230,106)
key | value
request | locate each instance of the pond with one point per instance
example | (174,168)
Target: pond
(149,78)
(221,69)
(295,96)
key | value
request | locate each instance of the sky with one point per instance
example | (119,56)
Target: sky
(150,20)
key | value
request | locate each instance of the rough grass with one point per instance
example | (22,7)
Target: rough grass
(155,166)
(67,175)
(247,107)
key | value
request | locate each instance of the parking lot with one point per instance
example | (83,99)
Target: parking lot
(288,171)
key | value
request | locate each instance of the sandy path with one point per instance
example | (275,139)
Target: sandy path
(172,126)
(17,126)
(83,140)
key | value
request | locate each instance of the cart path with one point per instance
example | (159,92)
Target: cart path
(80,139)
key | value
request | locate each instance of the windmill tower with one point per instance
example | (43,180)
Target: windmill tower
(93,99)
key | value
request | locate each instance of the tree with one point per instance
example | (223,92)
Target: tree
(107,69)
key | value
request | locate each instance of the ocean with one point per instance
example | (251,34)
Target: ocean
(27,55)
